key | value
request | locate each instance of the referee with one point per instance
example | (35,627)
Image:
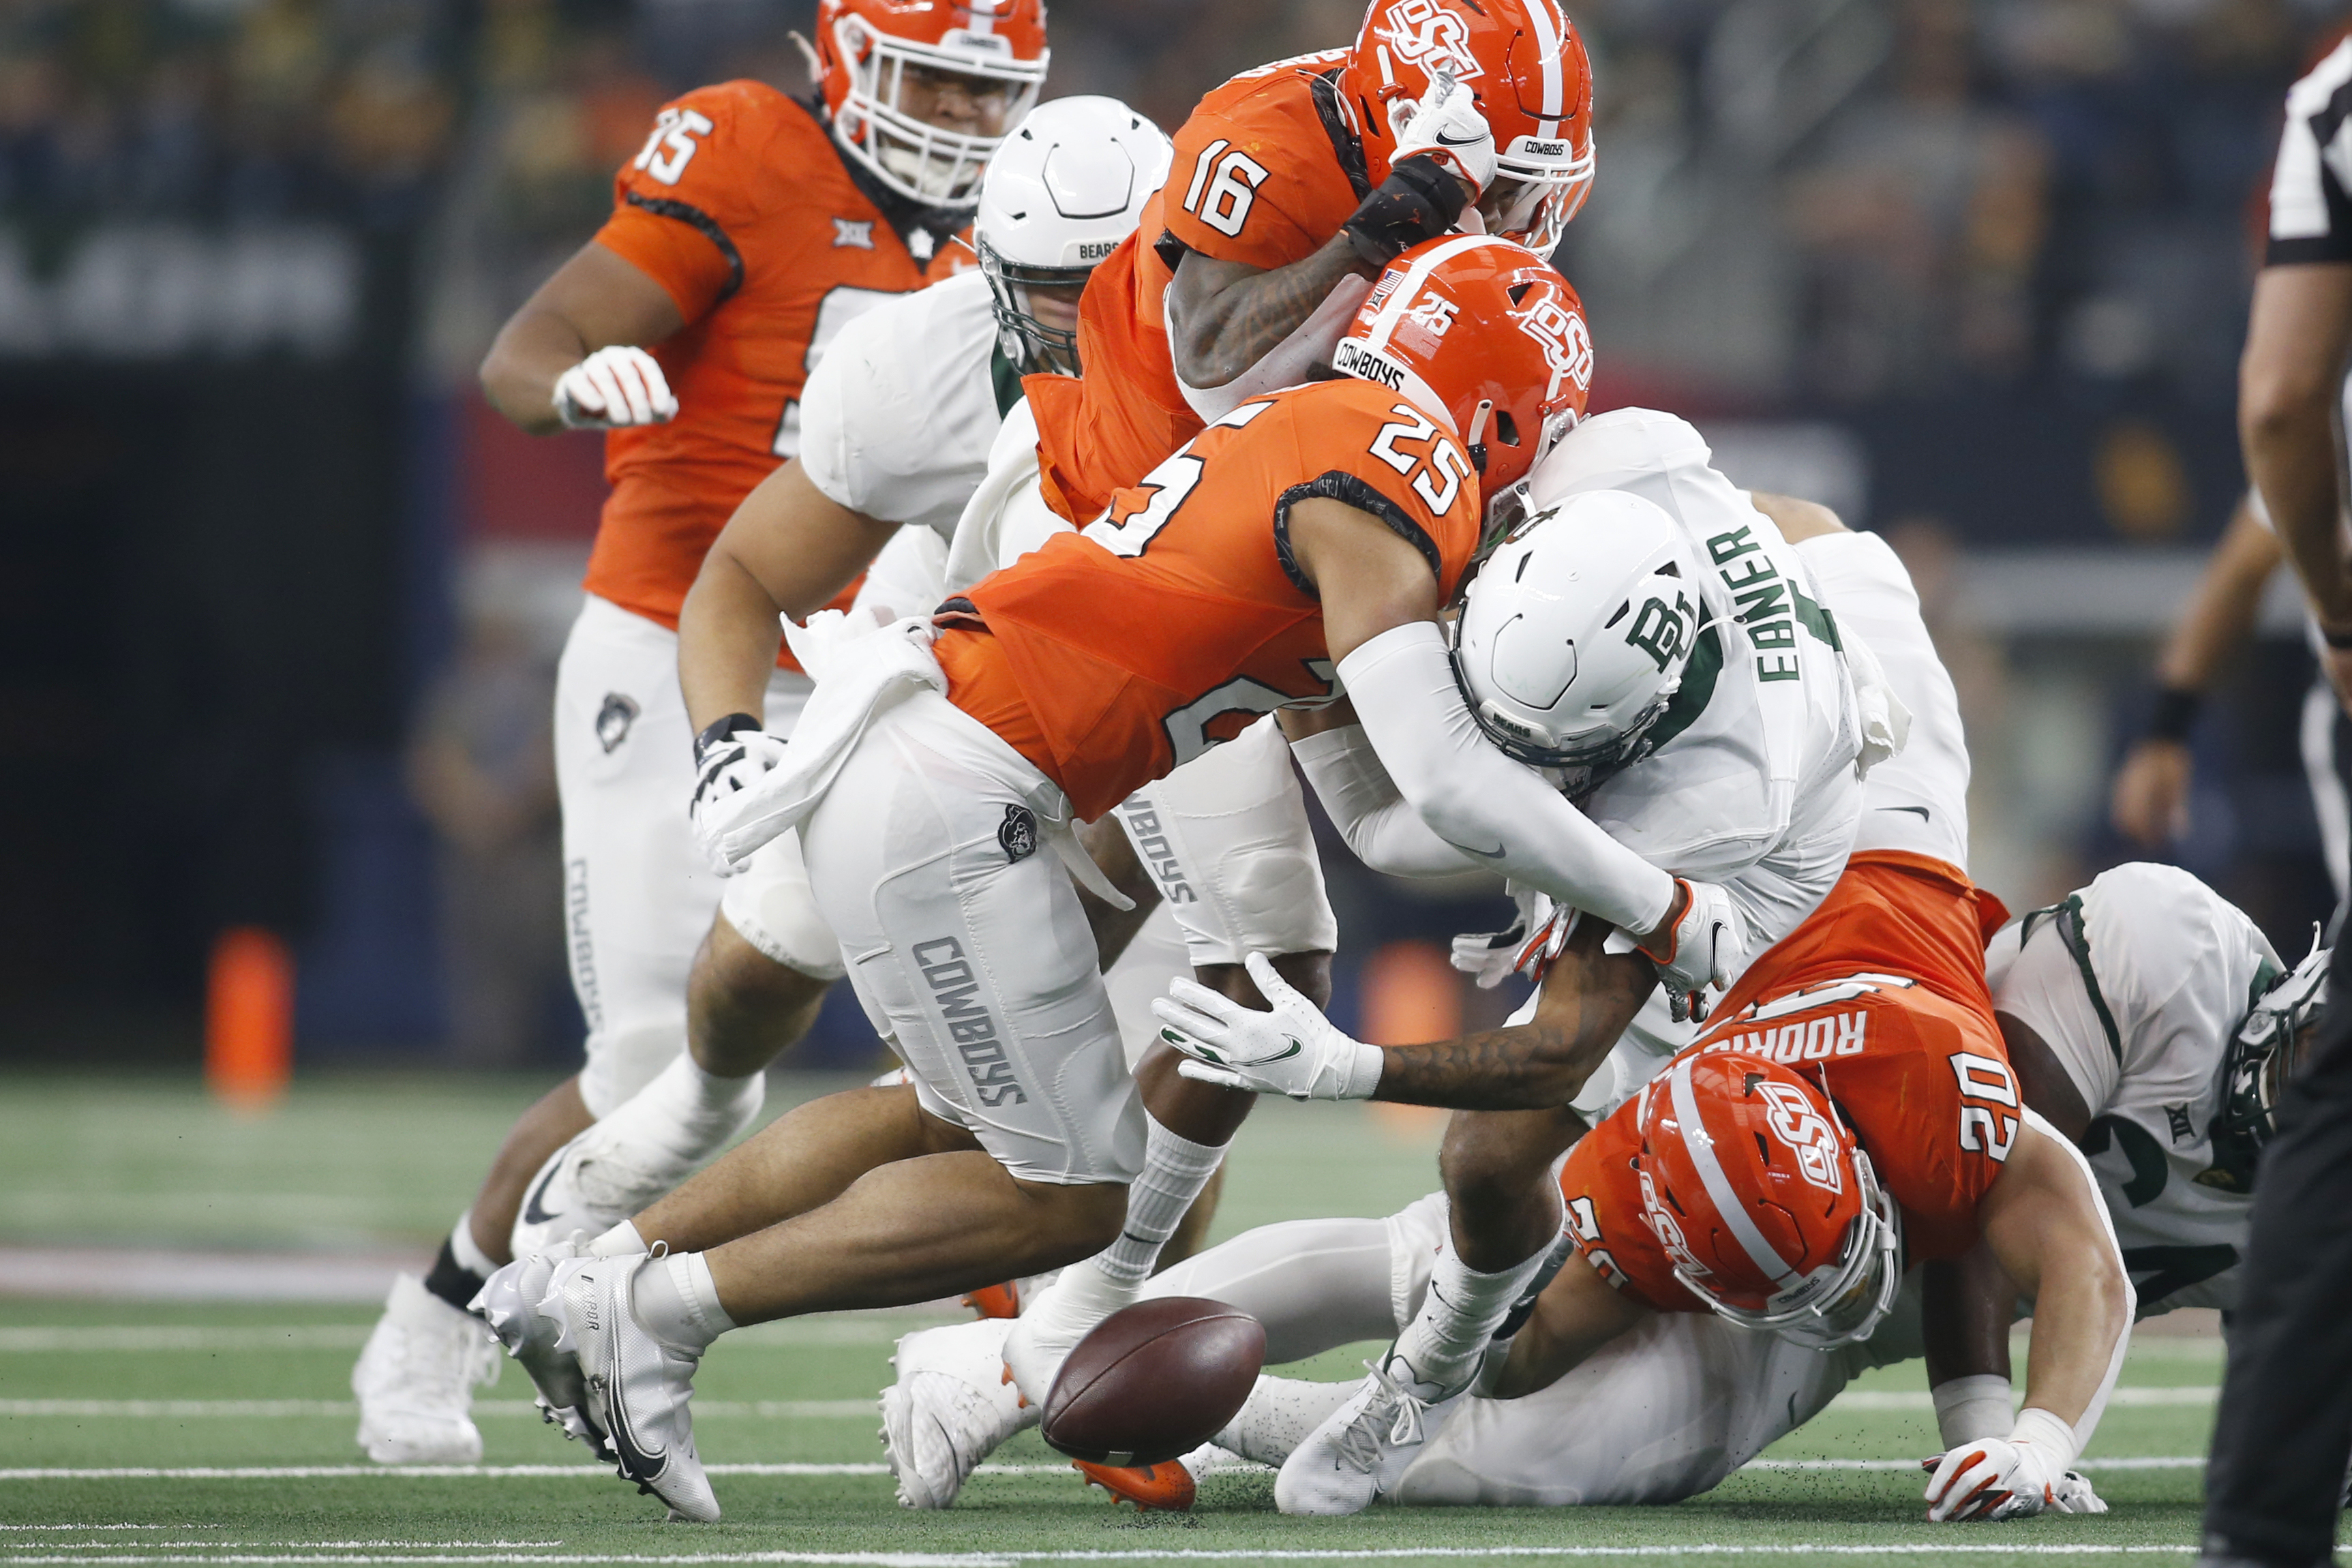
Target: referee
(2284,1435)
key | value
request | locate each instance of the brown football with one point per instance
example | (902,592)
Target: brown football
(1153,1381)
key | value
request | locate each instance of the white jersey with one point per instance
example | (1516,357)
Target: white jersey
(1753,781)
(897,417)
(2138,984)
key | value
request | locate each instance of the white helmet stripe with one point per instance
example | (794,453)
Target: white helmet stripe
(1547,51)
(1701,1150)
(1408,289)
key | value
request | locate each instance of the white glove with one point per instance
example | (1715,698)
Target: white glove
(724,777)
(613,387)
(2072,1493)
(1703,948)
(1531,941)
(1995,1479)
(1292,1050)
(1447,125)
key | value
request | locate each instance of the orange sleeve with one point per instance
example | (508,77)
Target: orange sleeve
(680,205)
(1255,181)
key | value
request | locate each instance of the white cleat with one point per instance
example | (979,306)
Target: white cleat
(592,1183)
(638,1388)
(509,1302)
(1364,1447)
(414,1380)
(954,1402)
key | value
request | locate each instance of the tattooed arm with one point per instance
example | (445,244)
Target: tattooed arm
(1225,316)
(1588,998)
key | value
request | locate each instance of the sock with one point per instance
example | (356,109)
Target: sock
(1175,1169)
(1061,1316)
(461,1269)
(689,1112)
(1459,1314)
(1280,1413)
(674,1299)
(620,1241)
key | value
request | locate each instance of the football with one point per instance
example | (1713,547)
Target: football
(1153,1381)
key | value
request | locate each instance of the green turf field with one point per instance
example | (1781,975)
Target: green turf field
(201,1432)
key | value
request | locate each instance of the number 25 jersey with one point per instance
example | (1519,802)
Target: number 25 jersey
(1111,656)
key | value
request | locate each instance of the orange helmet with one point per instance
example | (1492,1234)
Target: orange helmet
(865,50)
(1485,332)
(1525,66)
(1758,1193)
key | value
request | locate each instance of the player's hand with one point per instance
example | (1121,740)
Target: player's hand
(2072,1493)
(2150,802)
(1292,1050)
(1532,941)
(1994,1478)
(1446,128)
(1704,941)
(729,763)
(613,387)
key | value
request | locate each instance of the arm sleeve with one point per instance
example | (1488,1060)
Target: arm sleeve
(1377,821)
(1472,796)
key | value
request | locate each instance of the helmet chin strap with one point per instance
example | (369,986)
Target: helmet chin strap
(1477,440)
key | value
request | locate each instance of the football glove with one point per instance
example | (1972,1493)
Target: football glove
(2072,1493)
(1446,127)
(1703,947)
(613,387)
(1995,1479)
(1532,941)
(1292,1050)
(1421,199)
(729,759)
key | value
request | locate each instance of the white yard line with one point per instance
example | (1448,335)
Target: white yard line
(879,1328)
(1159,1555)
(1860,1400)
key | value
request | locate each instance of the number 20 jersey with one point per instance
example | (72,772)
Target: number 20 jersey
(1881,996)
(1173,623)
(740,206)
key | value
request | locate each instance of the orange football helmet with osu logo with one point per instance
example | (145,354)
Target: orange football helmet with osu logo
(1769,1208)
(1525,66)
(882,64)
(1487,331)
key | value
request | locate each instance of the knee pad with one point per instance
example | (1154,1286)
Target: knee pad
(770,906)
(1227,839)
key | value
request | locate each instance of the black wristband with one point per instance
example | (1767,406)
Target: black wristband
(1420,200)
(724,730)
(2175,713)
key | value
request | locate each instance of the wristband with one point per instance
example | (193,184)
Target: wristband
(724,730)
(2047,1433)
(2175,714)
(1421,199)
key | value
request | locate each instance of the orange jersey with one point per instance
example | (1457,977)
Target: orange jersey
(740,208)
(1266,171)
(1179,618)
(1881,992)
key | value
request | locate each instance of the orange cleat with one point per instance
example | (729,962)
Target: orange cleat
(996,1300)
(1165,1486)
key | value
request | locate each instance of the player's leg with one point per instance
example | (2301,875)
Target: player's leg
(632,914)
(1226,836)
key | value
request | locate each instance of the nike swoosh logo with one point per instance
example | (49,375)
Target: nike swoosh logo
(1921,810)
(531,1212)
(1494,854)
(1295,1048)
(1445,140)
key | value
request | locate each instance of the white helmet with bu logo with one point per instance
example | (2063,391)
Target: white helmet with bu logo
(1576,631)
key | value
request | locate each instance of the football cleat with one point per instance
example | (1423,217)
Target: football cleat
(952,1405)
(509,1302)
(996,1300)
(1171,1486)
(414,1380)
(639,1389)
(593,1183)
(1364,1447)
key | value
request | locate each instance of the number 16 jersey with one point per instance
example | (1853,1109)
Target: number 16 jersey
(1109,657)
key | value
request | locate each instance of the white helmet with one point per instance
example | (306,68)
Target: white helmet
(1066,186)
(1575,632)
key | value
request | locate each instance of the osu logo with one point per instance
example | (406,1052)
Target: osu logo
(1806,1131)
(1661,1220)
(1425,34)
(1566,343)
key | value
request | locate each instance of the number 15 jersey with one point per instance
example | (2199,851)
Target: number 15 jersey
(1109,657)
